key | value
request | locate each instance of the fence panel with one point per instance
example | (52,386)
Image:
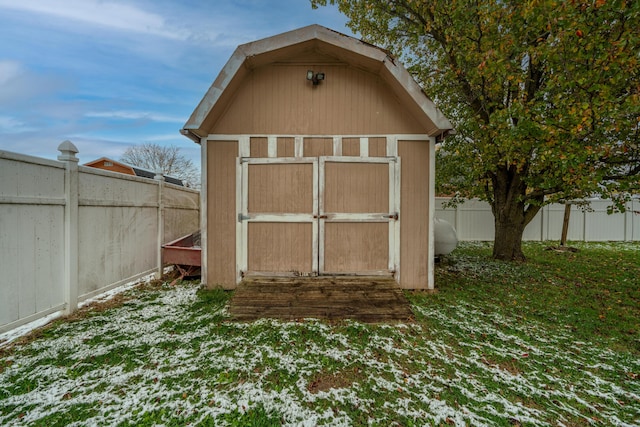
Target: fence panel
(31,236)
(473,220)
(476,219)
(181,212)
(535,229)
(600,226)
(117,227)
(633,221)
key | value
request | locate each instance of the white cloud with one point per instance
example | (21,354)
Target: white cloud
(9,125)
(136,115)
(117,16)
(18,85)
(168,137)
(9,70)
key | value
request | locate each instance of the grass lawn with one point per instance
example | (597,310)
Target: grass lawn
(554,341)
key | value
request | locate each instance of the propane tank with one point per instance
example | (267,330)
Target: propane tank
(445,238)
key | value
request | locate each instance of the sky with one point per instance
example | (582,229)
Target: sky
(111,74)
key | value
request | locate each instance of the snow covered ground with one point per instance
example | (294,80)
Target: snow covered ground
(10,336)
(170,356)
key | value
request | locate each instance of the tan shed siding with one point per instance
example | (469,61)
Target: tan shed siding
(351,146)
(286,147)
(258,147)
(414,208)
(279,247)
(277,99)
(315,147)
(378,147)
(221,213)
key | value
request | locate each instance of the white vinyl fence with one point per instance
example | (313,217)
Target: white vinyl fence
(473,220)
(69,232)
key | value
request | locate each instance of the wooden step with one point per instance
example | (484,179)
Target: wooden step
(366,299)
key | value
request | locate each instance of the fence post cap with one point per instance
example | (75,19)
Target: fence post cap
(68,152)
(159,176)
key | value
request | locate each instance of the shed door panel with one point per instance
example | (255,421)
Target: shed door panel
(326,215)
(280,247)
(357,207)
(356,187)
(278,211)
(280,188)
(352,247)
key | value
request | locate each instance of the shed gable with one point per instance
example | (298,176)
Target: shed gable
(263,89)
(278,99)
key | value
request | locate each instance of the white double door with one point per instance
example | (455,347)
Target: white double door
(318,216)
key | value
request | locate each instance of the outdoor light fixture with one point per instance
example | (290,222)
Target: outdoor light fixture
(315,78)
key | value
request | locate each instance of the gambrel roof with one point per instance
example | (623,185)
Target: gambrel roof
(325,41)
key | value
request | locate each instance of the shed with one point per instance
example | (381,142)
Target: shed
(317,159)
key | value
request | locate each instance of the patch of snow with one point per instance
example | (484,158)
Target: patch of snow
(20,331)
(222,367)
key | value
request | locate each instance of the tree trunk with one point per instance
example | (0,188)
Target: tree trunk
(510,213)
(509,227)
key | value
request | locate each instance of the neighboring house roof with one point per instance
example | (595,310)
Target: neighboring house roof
(348,49)
(145,173)
(134,170)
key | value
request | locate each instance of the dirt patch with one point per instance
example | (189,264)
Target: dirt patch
(509,365)
(324,381)
(561,249)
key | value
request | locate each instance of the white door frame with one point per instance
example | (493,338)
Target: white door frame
(244,217)
(317,218)
(391,216)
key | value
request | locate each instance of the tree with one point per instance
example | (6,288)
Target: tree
(163,158)
(544,96)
